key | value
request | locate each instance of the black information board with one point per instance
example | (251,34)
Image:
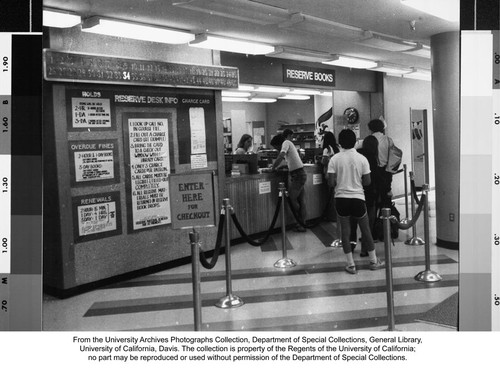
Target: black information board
(72,67)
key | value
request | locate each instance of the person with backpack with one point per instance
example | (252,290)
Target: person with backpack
(348,172)
(377,128)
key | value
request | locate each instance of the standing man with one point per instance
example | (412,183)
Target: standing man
(377,128)
(348,172)
(298,176)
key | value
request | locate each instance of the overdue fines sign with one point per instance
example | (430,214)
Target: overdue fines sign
(192,198)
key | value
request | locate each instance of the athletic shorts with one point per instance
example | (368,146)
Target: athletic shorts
(350,207)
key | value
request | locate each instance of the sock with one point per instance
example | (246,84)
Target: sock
(350,259)
(373,256)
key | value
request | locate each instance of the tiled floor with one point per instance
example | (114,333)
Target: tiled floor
(317,294)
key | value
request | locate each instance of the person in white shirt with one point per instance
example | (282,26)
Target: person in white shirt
(298,176)
(348,172)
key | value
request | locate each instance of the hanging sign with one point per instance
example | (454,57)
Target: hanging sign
(192,200)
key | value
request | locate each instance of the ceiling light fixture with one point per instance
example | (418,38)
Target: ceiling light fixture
(389,68)
(231,99)
(60,19)
(234,46)
(236,94)
(272,89)
(420,50)
(303,55)
(262,100)
(351,62)
(135,31)
(384,42)
(445,9)
(295,97)
(246,88)
(305,92)
(419,74)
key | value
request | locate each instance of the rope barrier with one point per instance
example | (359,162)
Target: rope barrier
(414,192)
(268,233)
(411,222)
(204,261)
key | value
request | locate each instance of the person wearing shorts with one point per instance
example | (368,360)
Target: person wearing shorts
(348,172)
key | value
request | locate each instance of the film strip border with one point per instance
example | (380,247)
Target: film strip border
(479,291)
(20,165)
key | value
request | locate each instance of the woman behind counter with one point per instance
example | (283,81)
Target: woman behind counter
(244,145)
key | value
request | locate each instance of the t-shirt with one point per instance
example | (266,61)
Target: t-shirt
(292,156)
(349,166)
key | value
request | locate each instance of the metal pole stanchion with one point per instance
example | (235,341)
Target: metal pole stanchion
(230,300)
(406,192)
(386,213)
(427,276)
(414,240)
(194,238)
(284,262)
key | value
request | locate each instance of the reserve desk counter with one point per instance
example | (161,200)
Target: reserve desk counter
(254,199)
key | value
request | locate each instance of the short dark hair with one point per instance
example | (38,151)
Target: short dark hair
(347,138)
(277,141)
(376,125)
(287,132)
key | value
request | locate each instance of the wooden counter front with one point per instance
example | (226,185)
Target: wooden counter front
(254,199)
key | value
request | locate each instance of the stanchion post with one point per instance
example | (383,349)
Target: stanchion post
(386,214)
(194,238)
(414,240)
(428,275)
(230,300)
(406,191)
(283,262)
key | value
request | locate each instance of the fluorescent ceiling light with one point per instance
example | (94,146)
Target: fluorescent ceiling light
(135,31)
(388,68)
(298,54)
(271,89)
(231,45)
(295,97)
(378,41)
(60,19)
(234,99)
(444,9)
(236,94)
(419,74)
(262,100)
(351,62)
(420,50)
(304,92)
(246,88)
(326,93)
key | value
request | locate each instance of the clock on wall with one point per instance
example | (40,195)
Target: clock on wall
(352,115)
